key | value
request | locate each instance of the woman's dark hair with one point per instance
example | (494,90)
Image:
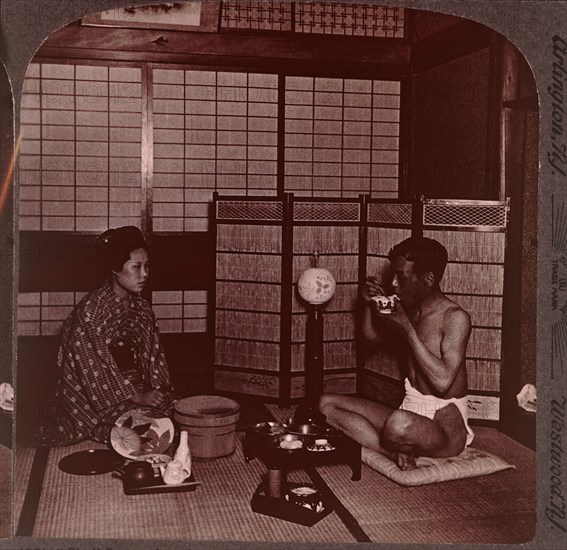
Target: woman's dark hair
(115,246)
(426,254)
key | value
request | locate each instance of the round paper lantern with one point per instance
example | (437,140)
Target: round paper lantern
(316,285)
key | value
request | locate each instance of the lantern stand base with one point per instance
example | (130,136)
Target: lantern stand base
(309,413)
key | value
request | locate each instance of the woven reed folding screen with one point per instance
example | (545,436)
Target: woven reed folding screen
(249,244)
(330,229)
(263,246)
(388,223)
(474,233)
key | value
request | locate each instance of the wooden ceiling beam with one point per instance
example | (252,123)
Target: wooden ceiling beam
(78,41)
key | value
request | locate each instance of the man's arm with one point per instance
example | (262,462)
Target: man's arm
(368,321)
(455,334)
(369,331)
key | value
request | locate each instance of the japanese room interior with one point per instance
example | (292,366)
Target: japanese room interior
(273,132)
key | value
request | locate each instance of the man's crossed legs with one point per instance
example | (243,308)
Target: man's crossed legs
(399,434)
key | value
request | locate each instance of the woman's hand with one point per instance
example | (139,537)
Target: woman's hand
(151,398)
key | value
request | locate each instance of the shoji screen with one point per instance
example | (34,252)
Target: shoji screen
(330,229)
(212,131)
(80,166)
(262,248)
(249,244)
(81,148)
(388,223)
(341,137)
(474,234)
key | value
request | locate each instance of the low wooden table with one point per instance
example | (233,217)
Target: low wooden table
(261,445)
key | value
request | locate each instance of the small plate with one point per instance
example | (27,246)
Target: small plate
(279,439)
(321,448)
(93,461)
(140,432)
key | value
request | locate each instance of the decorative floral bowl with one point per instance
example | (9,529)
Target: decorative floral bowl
(386,304)
(142,431)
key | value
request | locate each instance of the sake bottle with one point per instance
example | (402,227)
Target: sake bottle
(182,453)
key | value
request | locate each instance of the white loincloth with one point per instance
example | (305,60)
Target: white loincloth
(428,405)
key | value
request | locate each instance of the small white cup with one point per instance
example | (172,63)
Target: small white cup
(174,473)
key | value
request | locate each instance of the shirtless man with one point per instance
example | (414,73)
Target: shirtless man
(432,420)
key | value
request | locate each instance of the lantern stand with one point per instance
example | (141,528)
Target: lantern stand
(322,282)
(308,411)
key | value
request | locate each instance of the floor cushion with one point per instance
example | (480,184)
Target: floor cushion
(470,463)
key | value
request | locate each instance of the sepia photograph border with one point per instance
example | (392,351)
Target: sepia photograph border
(538,30)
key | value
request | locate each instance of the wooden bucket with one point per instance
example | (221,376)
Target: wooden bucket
(210,423)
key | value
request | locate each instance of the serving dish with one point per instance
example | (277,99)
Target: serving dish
(306,495)
(289,442)
(90,462)
(281,508)
(321,445)
(142,431)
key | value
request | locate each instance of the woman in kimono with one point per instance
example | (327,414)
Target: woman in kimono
(110,360)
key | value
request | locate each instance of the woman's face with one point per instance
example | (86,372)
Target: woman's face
(134,273)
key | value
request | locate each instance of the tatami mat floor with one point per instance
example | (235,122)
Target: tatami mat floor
(499,508)
(96,507)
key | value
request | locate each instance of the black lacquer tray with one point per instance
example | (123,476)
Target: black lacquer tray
(158,486)
(283,509)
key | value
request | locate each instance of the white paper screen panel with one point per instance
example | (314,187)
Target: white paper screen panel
(177,311)
(180,310)
(80,155)
(341,137)
(43,313)
(213,131)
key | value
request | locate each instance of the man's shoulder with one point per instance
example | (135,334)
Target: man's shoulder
(454,313)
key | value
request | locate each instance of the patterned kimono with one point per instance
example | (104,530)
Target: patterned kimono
(95,387)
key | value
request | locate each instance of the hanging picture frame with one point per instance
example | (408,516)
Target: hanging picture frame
(184,16)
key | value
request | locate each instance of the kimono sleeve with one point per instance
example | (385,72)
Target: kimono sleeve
(154,367)
(103,383)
